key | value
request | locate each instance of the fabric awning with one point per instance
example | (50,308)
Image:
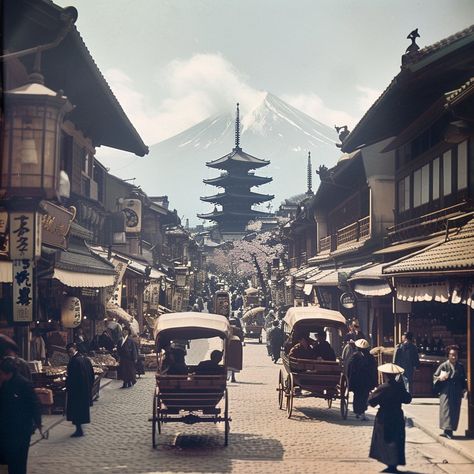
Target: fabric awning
(308,288)
(83,280)
(373,289)
(6,272)
(423,292)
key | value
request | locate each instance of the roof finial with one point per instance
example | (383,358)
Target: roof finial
(413,46)
(237,128)
(310,175)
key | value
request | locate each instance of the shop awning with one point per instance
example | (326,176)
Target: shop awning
(373,272)
(303,273)
(373,289)
(438,291)
(83,280)
(6,270)
(332,277)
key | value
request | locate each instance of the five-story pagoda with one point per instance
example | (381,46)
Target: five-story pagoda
(237,199)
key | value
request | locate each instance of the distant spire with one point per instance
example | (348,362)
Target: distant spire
(310,175)
(237,128)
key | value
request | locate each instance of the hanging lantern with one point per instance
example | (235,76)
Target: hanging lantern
(71,312)
(33,115)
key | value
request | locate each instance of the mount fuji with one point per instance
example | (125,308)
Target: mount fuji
(273,130)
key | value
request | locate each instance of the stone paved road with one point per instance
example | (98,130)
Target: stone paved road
(262,439)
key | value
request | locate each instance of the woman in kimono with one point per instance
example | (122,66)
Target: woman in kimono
(388,437)
(451,384)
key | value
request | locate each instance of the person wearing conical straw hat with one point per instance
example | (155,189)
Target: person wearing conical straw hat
(388,436)
(362,375)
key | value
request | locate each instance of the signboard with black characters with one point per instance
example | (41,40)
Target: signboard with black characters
(23,291)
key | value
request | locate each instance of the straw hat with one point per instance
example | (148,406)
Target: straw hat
(390,369)
(362,344)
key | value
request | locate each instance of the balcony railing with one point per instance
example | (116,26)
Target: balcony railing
(355,232)
(325,244)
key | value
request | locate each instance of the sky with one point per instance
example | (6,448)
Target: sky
(173,63)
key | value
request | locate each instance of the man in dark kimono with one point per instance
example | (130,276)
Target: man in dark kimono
(362,375)
(388,437)
(79,381)
(128,356)
(322,347)
(406,356)
(20,414)
(451,384)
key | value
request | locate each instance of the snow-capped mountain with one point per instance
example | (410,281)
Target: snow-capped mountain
(273,130)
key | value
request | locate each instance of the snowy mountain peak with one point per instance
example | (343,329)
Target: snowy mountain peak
(271,129)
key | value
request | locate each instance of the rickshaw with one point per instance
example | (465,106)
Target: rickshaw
(253,320)
(300,378)
(193,398)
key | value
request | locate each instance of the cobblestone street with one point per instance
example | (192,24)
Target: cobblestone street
(262,439)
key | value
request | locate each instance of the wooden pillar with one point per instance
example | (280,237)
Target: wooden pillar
(140,291)
(470,373)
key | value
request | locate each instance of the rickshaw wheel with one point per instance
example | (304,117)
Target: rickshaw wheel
(226,418)
(329,400)
(155,422)
(344,392)
(289,394)
(281,389)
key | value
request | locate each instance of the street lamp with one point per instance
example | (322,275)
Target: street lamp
(33,115)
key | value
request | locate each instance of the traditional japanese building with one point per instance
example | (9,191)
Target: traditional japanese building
(237,179)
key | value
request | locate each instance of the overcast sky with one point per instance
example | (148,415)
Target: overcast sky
(172,63)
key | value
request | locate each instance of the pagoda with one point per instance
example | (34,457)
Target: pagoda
(237,178)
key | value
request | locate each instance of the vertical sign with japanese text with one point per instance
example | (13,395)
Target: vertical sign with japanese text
(25,237)
(23,289)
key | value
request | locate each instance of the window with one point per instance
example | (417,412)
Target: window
(417,188)
(404,194)
(447,175)
(436,178)
(462,165)
(425,184)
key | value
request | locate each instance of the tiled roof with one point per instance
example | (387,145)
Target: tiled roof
(451,96)
(455,254)
(423,52)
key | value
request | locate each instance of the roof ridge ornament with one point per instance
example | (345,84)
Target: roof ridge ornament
(237,128)
(343,132)
(413,48)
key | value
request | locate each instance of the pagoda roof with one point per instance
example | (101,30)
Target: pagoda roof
(226,179)
(249,196)
(237,157)
(219,215)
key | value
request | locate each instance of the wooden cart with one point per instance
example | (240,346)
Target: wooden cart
(194,398)
(253,320)
(302,378)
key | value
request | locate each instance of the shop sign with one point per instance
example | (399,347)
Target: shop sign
(347,300)
(71,312)
(56,223)
(25,235)
(114,293)
(3,233)
(23,290)
(151,295)
(132,208)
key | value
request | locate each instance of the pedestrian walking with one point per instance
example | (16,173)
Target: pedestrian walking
(79,381)
(388,436)
(128,356)
(362,375)
(451,384)
(9,348)
(20,415)
(275,339)
(406,356)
